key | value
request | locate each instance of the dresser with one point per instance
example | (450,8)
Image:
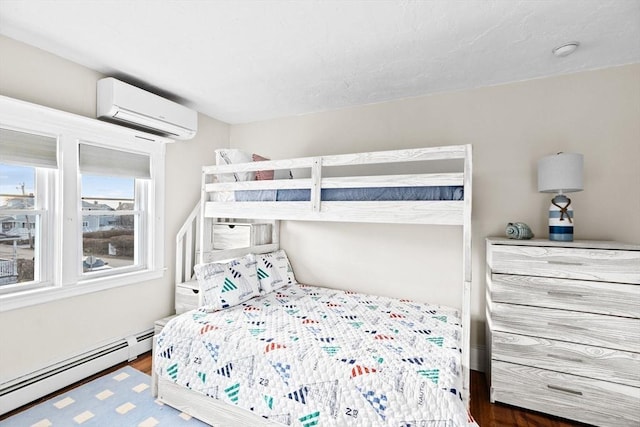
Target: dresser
(563,328)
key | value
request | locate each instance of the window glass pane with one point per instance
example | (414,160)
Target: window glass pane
(17,187)
(108,236)
(18,230)
(107,192)
(112,245)
(18,242)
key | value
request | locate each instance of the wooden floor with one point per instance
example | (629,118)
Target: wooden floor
(485,413)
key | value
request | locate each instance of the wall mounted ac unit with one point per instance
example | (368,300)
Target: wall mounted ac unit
(127,104)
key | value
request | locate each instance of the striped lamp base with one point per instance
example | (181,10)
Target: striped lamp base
(561,219)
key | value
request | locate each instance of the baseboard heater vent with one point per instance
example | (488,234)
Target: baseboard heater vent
(27,388)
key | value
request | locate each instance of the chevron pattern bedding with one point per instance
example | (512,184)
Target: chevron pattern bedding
(306,356)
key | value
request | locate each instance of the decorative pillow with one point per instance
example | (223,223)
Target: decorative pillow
(262,175)
(224,285)
(274,270)
(270,174)
(231,156)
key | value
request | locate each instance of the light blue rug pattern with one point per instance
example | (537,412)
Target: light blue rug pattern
(121,398)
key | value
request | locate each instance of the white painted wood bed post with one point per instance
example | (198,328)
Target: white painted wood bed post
(179,259)
(204,229)
(466,261)
(275,233)
(188,254)
(316,181)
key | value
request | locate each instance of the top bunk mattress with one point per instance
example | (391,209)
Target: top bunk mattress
(352,194)
(306,355)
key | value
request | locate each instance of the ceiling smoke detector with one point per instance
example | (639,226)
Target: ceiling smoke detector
(566,49)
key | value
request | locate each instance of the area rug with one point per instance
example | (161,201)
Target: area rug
(121,398)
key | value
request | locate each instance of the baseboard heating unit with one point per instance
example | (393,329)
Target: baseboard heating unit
(27,388)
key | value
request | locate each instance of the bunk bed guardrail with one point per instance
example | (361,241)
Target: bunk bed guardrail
(441,212)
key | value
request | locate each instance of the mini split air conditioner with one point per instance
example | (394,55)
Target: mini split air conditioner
(121,102)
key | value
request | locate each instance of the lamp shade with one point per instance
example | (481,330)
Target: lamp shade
(560,173)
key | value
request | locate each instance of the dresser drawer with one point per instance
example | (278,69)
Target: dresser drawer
(601,265)
(240,235)
(584,328)
(615,299)
(597,362)
(187,297)
(583,399)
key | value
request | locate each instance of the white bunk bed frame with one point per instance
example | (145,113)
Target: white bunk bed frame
(194,241)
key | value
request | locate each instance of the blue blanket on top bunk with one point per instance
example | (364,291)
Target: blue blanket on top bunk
(354,194)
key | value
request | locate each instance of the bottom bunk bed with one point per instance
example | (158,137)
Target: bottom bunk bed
(304,355)
(265,350)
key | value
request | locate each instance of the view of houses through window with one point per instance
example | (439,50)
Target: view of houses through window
(18,224)
(109,220)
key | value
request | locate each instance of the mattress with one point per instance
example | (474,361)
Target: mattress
(354,194)
(307,356)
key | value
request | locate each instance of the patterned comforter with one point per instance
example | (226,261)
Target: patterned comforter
(308,356)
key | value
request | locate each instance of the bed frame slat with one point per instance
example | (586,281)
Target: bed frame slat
(409,212)
(380,157)
(408,180)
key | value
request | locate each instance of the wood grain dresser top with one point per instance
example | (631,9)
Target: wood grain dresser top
(587,244)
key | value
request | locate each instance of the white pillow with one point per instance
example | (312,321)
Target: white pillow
(224,285)
(274,270)
(230,156)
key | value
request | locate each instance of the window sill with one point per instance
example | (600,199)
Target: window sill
(37,296)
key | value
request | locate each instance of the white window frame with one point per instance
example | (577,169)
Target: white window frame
(139,172)
(61,274)
(43,208)
(140,213)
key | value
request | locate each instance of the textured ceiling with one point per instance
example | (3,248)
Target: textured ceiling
(242,61)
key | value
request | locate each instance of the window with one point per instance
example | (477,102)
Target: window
(18,238)
(109,218)
(114,185)
(24,208)
(81,205)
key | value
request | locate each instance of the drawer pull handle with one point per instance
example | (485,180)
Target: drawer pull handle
(565,294)
(564,262)
(579,328)
(568,359)
(564,389)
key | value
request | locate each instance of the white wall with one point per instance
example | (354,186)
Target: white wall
(34,337)
(511,126)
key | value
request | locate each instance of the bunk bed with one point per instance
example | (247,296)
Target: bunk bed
(410,198)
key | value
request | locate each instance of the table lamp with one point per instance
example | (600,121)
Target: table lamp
(560,173)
